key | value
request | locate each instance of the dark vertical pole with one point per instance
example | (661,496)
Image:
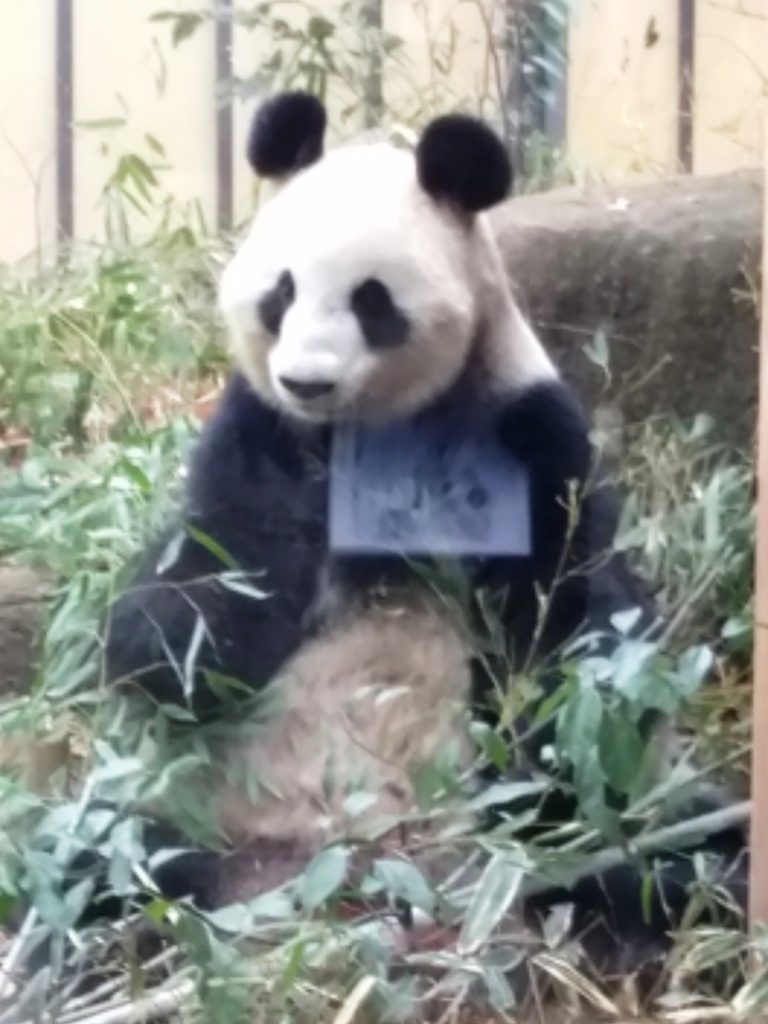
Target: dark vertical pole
(514,87)
(557,115)
(64,105)
(371,24)
(224,117)
(686,57)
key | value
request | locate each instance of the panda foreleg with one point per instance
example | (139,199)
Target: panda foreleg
(150,627)
(576,581)
(182,634)
(183,615)
(545,429)
(545,602)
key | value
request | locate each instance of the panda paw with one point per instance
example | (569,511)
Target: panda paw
(546,429)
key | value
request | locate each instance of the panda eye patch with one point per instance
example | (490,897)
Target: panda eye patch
(382,323)
(274,303)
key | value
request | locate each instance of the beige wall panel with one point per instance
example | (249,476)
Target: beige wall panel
(121,61)
(27,128)
(449,34)
(622,92)
(245,57)
(252,48)
(731,81)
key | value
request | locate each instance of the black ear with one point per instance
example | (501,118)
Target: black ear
(463,161)
(286,134)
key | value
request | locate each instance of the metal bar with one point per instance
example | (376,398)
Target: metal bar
(64,105)
(371,24)
(686,65)
(224,117)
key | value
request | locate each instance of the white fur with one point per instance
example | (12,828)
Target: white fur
(356,214)
(511,353)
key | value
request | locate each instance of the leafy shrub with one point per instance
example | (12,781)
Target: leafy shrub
(88,349)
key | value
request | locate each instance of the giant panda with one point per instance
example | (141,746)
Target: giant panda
(369,292)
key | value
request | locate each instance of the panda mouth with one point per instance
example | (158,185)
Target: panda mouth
(307,391)
(307,399)
(316,410)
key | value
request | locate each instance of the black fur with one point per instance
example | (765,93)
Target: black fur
(274,304)
(286,134)
(382,323)
(461,160)
(251,467)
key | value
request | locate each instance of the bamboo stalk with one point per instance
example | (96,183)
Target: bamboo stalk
(152,1007)
(671,837)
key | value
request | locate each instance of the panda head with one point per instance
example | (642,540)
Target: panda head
(359,289)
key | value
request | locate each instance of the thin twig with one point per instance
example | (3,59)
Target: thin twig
(9,963)
(687,603)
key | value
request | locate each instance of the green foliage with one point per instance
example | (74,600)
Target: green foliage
(689,517)
(600,733)
(84,517)
(323,876)
(87,347)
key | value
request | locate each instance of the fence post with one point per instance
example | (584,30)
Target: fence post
(224,118)
(686,72)
(758,889)
(64,107)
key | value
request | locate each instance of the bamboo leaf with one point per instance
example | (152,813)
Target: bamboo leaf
(324,875)
(496,890)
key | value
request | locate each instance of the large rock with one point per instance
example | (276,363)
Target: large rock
(40,750)
(668,271)
(24,594)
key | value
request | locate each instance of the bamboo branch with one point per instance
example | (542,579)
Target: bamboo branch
(675,837)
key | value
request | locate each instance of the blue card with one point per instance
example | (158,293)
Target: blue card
(438,486)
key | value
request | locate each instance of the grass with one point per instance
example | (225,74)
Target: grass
(102,365)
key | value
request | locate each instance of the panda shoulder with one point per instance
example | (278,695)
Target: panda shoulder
(240,434)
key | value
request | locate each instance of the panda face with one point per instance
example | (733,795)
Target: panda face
(352,296)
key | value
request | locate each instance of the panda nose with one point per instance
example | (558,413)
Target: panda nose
(307,389)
